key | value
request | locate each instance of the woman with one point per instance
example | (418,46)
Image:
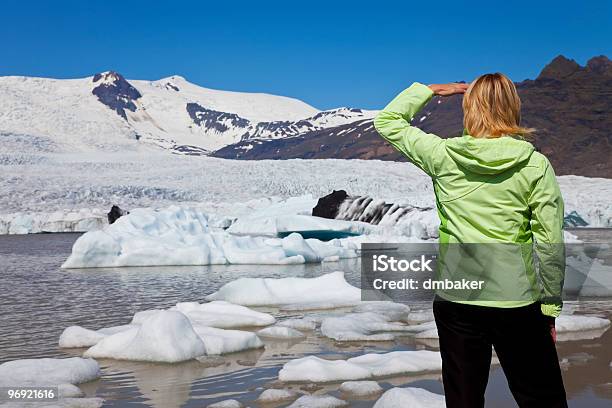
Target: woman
(491,187)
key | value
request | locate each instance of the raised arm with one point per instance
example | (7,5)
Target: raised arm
(393,124)
(546,206)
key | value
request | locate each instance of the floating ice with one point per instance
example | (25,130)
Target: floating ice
(280,332)
(305,323)
(393,311)
(172,336)
(220,341)
(569,327)
(77,336)
(427,334)
(182,236)
(48,372)
(410,397)
(167,336)
(360,388)
(223,315)
(421,327)
(230,403)
(367,366)
(69,391)
(318,401)
(360,327)
(576,327)
(568,323)
(331,289)
(420,316)
(274,395)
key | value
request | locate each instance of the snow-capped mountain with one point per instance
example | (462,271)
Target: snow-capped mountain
(108,112)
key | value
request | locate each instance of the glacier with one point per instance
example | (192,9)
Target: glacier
(74,191)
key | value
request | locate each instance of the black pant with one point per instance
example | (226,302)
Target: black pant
(522,341)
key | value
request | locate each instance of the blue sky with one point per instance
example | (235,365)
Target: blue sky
(328,54)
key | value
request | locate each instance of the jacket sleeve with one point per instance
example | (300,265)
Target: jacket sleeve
(393,124)
(546,206)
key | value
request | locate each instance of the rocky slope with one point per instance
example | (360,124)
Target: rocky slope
(568,104)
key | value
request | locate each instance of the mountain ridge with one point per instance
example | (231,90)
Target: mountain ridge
(568,105)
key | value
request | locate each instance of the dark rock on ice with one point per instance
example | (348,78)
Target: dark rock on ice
(327,207)
(573,219)
(114,91)
(341,206)
(212,119)
(115,213)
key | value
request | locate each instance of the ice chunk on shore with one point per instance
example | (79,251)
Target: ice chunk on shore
(318,401)
(223,315)
(182,236)
(331,288)
(360,388)
(360,327)
(410,397)
(280,332)
(367,366)
(167,336)
(48,371)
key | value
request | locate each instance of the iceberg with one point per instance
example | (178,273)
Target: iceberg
(280,332)
(182,236)
(410,397)
(577,327)
(365,326)
(274,395)
(183,332)
(331,289)
(360,388)
(397,312)
(230,403)
(304,323)
(364,367)
(167,336)
(318,401)
(63,373)
(223,315)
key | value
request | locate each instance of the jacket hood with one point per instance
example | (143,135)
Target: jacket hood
(488,156)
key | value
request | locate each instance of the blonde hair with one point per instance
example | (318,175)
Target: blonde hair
(492,108)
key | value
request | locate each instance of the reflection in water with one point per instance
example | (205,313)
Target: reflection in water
(39,300)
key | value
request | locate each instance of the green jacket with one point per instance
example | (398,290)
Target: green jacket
(496,190)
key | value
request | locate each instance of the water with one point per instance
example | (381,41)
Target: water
(39,300)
